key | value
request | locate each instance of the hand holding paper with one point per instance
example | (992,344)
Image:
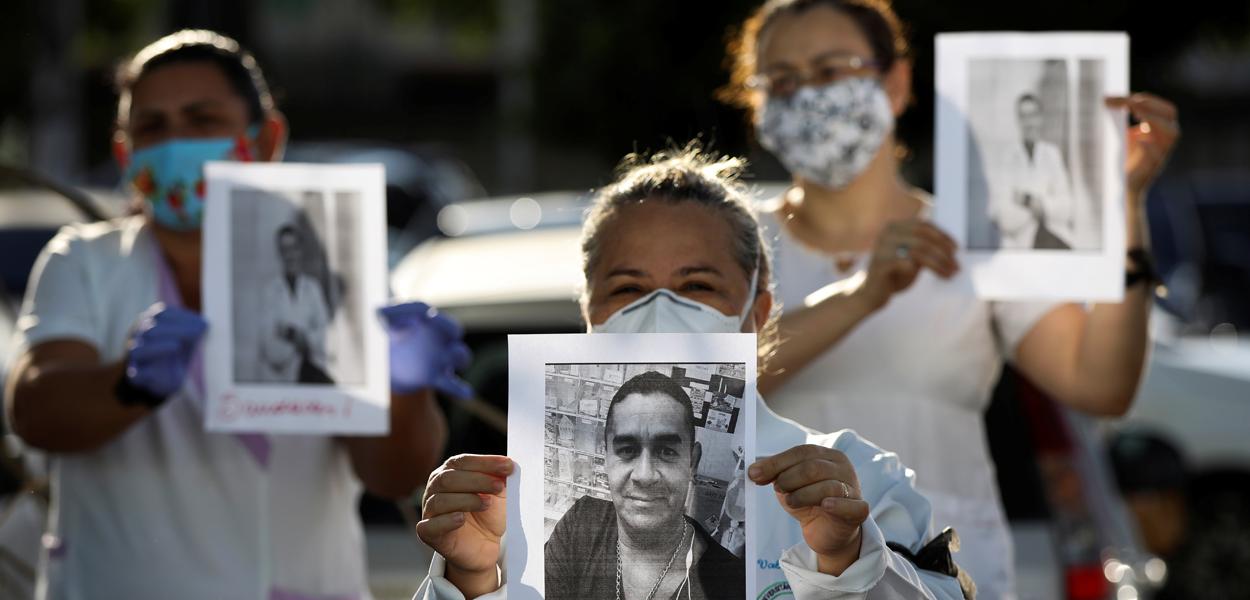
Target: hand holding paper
(1150,142)
(463,519)
(426,349)
(161,348)
(818,487)
(903,249)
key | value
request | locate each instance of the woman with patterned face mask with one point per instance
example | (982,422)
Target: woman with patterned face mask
(878,333)
(672,247)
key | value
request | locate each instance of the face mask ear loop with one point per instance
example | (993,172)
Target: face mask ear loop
(752,293)
(250,140)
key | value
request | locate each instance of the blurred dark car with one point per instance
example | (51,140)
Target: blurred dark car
(32,210)
(1200,234)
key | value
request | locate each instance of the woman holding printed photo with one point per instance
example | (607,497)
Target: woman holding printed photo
(107,380)
(876,336)
(675,237)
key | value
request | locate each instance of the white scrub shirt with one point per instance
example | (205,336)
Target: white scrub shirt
(787,566)
(916,378)
(303,309)
(1042,176)
(167,510)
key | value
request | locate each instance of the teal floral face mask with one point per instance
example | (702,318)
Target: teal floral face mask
(170,176)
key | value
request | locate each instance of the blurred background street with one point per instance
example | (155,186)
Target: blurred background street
(496,118)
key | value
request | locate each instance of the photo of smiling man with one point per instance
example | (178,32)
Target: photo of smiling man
(639,540)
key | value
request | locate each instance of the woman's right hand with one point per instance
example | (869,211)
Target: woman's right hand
(161,348)
(903,249)
(462,518)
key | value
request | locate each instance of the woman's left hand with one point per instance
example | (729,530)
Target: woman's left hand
(1150,142)
(818,487)
(426,349)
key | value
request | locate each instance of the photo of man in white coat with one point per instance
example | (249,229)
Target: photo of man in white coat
(1034,208)
(294,318)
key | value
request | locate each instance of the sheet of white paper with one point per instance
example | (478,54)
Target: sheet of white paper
(1029,160)
(559,390)
(294,270)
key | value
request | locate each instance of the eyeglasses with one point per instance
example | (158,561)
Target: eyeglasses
(784,84)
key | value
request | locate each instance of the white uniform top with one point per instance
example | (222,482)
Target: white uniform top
(1043,177)
(304,310)
(167,510)
(916,378)
(787,565)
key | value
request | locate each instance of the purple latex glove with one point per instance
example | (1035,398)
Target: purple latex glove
(427,348)
(161,348)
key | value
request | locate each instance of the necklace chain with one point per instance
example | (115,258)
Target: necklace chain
(655,588)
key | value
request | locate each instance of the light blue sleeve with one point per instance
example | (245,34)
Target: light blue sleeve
(436,586)
(899,514)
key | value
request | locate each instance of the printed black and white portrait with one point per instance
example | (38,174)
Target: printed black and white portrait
(292,284)
(1029,162)
(297,309)
(643,480)
(1034,161)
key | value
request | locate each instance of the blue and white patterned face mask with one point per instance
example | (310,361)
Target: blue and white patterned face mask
(827,135)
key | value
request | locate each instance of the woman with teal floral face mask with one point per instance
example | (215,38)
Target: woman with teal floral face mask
(108,379)
(878,321)
(170,176)
(182,110)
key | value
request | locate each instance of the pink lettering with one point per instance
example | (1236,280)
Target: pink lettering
(232,408)
(227,409)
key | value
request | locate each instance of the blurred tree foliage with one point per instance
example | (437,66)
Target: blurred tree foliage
(17,46)
(623,75)
(609,77)
(458,13)
(473,25)
(112,31)
(117,28)
(106,30)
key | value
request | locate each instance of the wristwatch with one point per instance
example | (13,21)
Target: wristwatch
(1141,269)
(937,556)
(130,394)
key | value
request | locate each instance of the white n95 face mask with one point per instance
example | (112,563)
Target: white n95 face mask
(827,135)
(663,311)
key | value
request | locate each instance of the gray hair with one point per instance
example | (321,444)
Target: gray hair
(673,177)
(687,175)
